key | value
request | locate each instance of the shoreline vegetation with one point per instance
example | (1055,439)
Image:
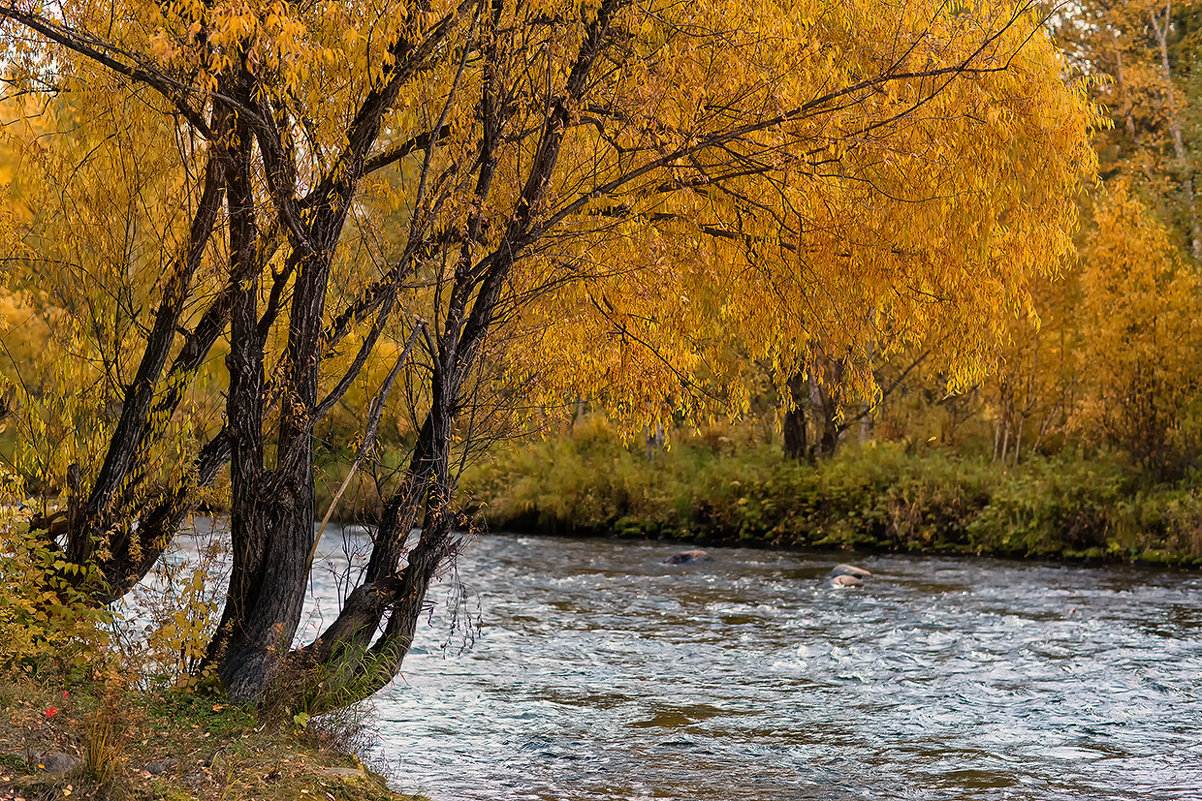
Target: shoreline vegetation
(68,731)
(81,737)
(889,496)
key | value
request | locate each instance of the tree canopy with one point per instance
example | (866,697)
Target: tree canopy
(229,214)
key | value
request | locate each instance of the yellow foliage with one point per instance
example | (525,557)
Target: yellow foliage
(46,620)
(177,609)
(738,184)
(1141,325)
(878,228)
(1142,55)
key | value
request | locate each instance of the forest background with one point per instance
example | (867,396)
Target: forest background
(1081,442)
(1082,439)
(918,276)
(921,276)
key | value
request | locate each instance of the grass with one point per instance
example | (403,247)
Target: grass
(134,746)
(884,496)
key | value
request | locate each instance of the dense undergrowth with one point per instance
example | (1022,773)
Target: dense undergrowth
(885,496)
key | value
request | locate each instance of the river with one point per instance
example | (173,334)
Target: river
(592,670)
(599,672)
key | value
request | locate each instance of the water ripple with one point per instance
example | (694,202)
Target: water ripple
(601,673)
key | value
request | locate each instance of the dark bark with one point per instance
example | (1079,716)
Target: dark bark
(99,517)
(272,513)
(272,505)
(350,664)
(244,424)
(793,424)
(824,409)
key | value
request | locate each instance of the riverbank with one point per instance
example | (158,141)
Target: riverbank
(882,497)
(104,741)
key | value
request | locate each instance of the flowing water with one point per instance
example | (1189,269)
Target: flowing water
(599,672)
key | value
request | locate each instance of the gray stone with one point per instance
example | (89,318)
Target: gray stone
(158,768)
(57,763)
(689,557)
(849,570)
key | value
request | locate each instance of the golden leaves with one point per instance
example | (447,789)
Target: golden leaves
(907,212)
(738,184)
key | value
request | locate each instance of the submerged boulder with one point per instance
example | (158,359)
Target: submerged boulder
(849,570)
(844,576)
(688,557)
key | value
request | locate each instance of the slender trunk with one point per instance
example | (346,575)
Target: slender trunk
(655,440)
(867,424)
(96,520)
(433,547)
(824,410)
(997,438)
(793,425)
(1018,437)
(1006,440)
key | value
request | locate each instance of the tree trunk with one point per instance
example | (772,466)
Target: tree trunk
(793,425)
(655,440)
(867,424)
(828,428)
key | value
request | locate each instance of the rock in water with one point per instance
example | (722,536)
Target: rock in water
(843,581)
(849,570)
(688,557)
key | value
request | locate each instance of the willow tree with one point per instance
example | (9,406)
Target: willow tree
(484,206)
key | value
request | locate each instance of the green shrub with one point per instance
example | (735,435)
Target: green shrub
(46,618)
(879,496)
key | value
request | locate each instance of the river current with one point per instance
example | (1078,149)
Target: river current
(593,670)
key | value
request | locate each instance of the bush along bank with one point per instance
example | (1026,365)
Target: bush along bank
(873,497)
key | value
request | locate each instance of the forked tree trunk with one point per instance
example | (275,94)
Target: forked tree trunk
(271,511)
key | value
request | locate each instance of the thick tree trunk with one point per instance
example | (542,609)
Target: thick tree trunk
(271,589)
(273,512)
(245,424)
(264,606)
